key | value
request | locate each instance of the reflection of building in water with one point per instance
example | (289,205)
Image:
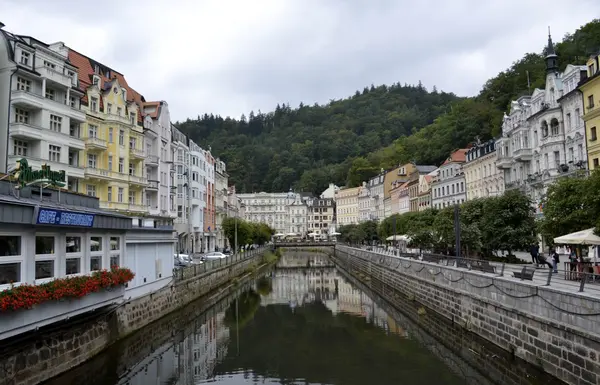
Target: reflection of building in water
(198,354)
(157,368)
(299,286)
(303,259)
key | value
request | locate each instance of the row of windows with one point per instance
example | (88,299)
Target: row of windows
(73,258)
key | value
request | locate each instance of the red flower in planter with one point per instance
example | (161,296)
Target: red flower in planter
(27,296)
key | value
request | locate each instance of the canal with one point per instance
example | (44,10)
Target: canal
(303,322)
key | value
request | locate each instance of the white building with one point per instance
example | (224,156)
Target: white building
(448,187)
(41,104)
(159,161)
(221,200)
(269,208)
(297,212)
(196,191)
(376,187)
(235,208)
(543,135)
(330,191)
(482,176)
(181,158)
(364,203)
(321,216)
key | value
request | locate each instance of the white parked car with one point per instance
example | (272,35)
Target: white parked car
(214,255)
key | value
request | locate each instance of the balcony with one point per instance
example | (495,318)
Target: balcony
(117,206)
(152,185)
(152,160)
(136,153)
(504,162)
(552,139)
(54,76)
(95,144)
(25,131)
(98,173)
(21,321)
(27,100)
(137,208)
(138,180)
(523,155)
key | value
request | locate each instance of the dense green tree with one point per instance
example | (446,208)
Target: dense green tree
(346,141)
(247,232)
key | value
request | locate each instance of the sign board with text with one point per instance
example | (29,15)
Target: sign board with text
(64,218)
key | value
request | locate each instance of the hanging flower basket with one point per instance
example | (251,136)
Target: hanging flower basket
(27,296)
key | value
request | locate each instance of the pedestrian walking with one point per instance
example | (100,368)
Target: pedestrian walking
(535,251)
(555,259)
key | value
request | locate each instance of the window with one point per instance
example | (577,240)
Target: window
(580,152)
(131,168)
(23,84)
(132,197)
(47,64)
(593,133)
(96,81)
(110,135)
(92,131)
(115,252)
(121,165)
(54,153)
(180,211)
(74,130)
(50,93)
(45,256)
(94,104)
(25,58)
(72,102)
(96,253)
(20,148)
(73,255)
(109,194)
(119,111)
(91,190)
(571,154)
(110,162)
(568,121)
(55,123)
(120,195)
(121,138)
(10,259)
(556,159)
(590,102)
(132,117)
(132,143)
(108,108)
(92,160)
(21,116)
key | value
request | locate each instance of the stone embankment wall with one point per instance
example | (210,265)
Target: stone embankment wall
(61,347)
(555,330)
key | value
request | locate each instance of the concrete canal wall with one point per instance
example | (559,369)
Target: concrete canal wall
(39,356)
(557,331)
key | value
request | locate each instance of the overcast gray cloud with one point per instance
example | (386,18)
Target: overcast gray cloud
(232,56)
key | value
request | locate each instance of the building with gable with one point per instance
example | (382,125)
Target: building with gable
(448,185)
(484,179)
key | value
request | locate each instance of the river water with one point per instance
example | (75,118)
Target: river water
(299,325)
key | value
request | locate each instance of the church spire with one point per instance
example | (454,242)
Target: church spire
(551,57)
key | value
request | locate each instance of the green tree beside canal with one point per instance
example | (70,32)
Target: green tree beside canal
(497,223)
(247,232)
(571,204)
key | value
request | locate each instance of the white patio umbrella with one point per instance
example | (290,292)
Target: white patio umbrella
(334,233)
(397,238)
(290,234)
(279,235)
(312,234)
(583,237)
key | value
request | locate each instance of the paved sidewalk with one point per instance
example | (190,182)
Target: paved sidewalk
(540,277)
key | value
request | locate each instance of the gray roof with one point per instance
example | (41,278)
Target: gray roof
(425,169)
(57,206)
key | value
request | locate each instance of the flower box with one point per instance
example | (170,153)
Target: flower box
(28,307)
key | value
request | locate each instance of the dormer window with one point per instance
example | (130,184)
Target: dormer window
(25,58)
(132,117)
(96,69)
(124,91)
(96,81)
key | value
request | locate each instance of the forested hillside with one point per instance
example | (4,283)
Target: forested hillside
(347,141)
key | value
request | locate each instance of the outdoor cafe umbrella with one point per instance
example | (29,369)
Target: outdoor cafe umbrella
(334,233)
(278,235)
(397,238)
(583,237)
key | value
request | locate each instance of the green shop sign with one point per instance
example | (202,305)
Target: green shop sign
(26,175)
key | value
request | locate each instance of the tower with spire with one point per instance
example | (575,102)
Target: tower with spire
(551,56)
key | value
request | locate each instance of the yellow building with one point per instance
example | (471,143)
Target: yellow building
(114,152)
(346,205)
(590,87)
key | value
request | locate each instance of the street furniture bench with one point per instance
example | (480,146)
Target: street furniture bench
(483,266)
(525,274)
(462,263)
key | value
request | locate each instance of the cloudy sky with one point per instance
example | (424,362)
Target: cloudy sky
(232,56)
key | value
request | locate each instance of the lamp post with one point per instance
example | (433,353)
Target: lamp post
(457,229)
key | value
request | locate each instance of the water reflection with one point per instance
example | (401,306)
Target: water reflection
(295,325)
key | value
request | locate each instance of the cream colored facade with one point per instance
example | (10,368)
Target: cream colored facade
(483,178)
(346,205)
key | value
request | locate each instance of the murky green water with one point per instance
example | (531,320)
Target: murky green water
(296,325)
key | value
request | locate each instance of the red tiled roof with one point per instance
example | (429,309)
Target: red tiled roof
(86,72)
(156,106)
(458,156)
(428,178)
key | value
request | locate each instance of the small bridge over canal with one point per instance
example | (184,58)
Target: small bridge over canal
(304,244)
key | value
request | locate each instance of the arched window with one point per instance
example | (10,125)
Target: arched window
(544,129)
(554,127)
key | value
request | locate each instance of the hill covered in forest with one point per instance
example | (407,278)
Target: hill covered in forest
(347,141)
